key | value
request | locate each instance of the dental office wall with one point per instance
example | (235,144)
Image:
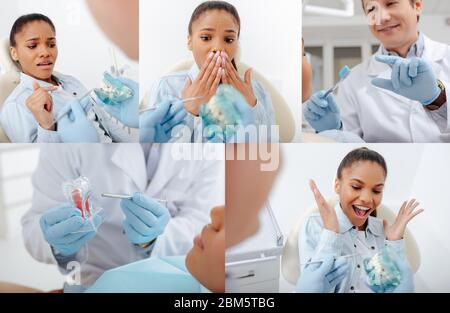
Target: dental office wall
(17,163)
(415,171)
(84,51)
(270,41)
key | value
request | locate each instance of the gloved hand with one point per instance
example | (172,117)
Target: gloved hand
(322,114)
(75,127)
(322,277)
(156,125)
(407,283)
(128,111)
(411,78)
(60,225)
(145,218)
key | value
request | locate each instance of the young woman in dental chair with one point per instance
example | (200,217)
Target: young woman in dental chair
(28,113)
(352,228)
(214,31)
(32,113)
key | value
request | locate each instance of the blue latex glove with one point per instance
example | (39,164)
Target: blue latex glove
(128,111)
(156,125)
(322,277)
(322,114)
(59,226)
(411,78)
(75,127)
(145,218)
(407,283)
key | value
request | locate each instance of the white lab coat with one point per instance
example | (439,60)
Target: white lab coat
(191,188)
(378,115)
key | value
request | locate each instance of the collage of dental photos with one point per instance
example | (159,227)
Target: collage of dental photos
(224,155)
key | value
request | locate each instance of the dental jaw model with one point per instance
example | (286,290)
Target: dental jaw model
(221,110)
(113,91)
(382,272)
(78,192)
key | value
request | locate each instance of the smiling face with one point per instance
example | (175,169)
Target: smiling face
(206,260)
(214,30)
(398,19)
(36,50)
(360,190)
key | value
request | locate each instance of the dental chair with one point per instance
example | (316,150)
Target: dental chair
(283,115)
(290,260)
(9,80)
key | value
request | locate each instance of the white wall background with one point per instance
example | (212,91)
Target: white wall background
(17,162)
(83,48)
(419,171)
(270,41)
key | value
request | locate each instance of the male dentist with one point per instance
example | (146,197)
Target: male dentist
(398,95)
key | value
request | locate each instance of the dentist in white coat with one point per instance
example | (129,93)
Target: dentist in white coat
(398,95)
(129,230)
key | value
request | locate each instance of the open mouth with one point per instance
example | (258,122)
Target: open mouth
(387,29)
(361,211)
(45,64)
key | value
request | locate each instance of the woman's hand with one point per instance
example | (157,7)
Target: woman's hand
(40,103)
(397,230)
(206,83)
(232,78)
(327,212)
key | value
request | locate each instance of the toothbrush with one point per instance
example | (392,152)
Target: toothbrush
(343,73)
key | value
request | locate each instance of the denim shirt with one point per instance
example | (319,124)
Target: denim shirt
(316,242)
(169,87)
(17,120)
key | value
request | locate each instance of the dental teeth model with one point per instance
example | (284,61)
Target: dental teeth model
(113,91)
(382,272)
(221,110)
(78,192)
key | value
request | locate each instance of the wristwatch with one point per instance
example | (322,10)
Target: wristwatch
(440,100)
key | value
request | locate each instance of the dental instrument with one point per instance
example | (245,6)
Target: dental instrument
(68,110)
(320,261)
(126,197)
(152,108)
